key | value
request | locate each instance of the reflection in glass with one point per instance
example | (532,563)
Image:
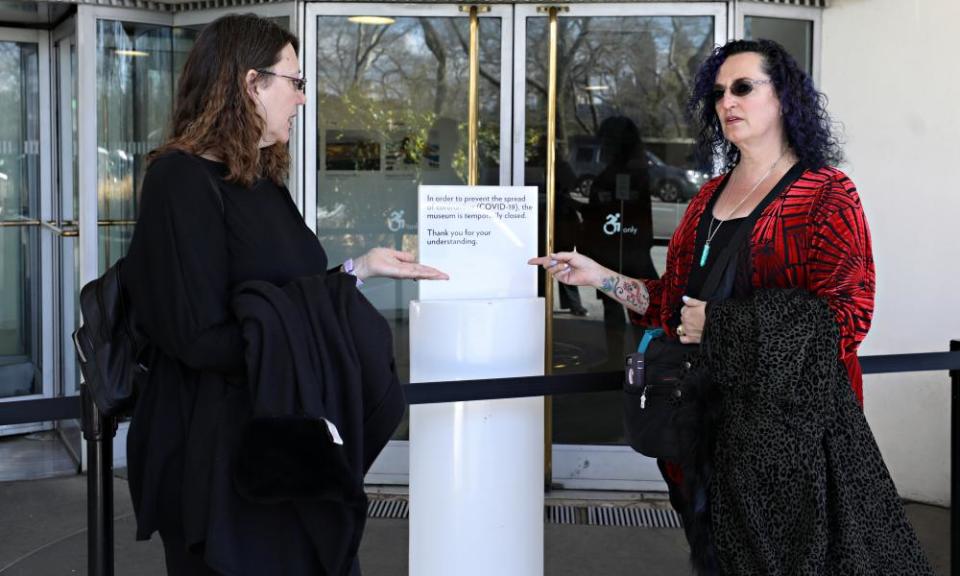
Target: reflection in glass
(184,37)
(625,172)
(392,114)
(796,36)
(19,201)
(134,102)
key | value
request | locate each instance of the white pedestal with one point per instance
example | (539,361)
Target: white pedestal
(476,468)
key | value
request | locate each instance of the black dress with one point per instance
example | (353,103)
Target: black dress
(191,246)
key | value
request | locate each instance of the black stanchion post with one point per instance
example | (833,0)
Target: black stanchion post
(98,431)
(954,464)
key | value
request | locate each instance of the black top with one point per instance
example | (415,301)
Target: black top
(191,246)
(698,273)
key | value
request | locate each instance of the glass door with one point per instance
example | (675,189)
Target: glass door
(624,174)
(25,243)
(388,113)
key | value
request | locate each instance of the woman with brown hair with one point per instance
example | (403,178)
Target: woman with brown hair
(215,214)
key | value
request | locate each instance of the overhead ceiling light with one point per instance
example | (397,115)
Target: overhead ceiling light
(375,20)
(134,53)
(596,88)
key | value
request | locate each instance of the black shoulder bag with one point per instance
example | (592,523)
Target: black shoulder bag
(660,381)
(112,352)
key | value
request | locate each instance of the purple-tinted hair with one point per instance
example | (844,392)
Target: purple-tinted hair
(804,108)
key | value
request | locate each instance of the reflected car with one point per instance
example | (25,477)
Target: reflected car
(669,183)
(673,184)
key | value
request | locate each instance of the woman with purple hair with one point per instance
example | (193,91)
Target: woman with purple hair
(783,474)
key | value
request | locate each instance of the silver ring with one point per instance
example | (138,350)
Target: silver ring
(680,331)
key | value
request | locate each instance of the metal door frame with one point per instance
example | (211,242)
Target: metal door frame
(61,40)
(63,269)
(779,11)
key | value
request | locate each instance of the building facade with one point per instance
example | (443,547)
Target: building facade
(88,88)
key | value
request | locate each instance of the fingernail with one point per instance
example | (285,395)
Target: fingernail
(685,299)
(552,263)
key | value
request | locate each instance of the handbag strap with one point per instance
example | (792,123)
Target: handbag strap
(720,266)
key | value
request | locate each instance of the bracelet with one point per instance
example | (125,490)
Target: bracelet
(348,268)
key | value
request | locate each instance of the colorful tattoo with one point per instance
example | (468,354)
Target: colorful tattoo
(631,292)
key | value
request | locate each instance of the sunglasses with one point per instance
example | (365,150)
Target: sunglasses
(299,83)
(740,88)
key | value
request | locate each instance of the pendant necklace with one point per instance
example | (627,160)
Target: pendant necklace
(711,231)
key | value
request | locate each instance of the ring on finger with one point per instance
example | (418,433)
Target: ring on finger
(680,330)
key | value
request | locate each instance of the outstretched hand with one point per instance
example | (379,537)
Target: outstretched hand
(571,268)
(389,263)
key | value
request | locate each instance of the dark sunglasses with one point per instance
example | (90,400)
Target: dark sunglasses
(740,88)
(299,83)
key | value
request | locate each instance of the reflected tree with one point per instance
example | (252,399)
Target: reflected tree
(639,67)
(401,91)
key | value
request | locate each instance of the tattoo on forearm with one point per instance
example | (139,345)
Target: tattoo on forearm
(631,292)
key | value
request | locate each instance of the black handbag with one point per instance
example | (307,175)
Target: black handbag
(663,380)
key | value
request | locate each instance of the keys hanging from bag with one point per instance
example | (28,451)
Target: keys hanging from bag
(663,377)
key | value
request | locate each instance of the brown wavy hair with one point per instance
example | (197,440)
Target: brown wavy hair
(214,113)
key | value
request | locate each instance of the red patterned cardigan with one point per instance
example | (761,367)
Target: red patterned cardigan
(813,236)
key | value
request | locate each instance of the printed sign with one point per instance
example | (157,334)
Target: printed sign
(482,236)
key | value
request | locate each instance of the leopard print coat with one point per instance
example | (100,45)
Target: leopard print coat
(797,485)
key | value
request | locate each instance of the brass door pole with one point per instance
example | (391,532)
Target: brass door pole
(551,176)
(473,119)
(551,200)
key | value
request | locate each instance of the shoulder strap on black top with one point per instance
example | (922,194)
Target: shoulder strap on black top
(720,266)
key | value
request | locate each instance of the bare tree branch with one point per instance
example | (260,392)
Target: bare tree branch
(464,43)
(362,61)
(435,45)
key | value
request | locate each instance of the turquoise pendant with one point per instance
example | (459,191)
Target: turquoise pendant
(704,254)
